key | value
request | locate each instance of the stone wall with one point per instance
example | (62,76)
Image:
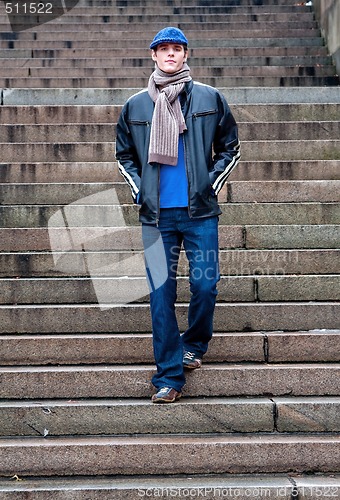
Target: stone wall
(328,14)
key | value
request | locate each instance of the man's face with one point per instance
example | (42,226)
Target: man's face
(169,57)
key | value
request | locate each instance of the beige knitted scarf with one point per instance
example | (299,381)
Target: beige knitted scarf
(168,120)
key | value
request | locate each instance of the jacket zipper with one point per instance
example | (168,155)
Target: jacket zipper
(204,113)
(187,172)
(138,122)
(159,195)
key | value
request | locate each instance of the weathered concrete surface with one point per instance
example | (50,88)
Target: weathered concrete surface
(189,455)
(315,346)
(249,236)
(118,82)
(92,113)
(308,414)
(136,416)
(21,216)
(42,172)
(105,290)
(234,192)
(283,191)
(290,288)
(233,263)
(105,132)
(118,349)
(134,381)
(98,96)
(324,485)
(127,318)
(293,236)
(133,488)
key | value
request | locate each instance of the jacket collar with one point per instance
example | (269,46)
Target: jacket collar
(188,87)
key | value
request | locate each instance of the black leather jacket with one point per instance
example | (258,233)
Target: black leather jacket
(211,148)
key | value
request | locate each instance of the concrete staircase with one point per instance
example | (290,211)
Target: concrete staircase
(262,416)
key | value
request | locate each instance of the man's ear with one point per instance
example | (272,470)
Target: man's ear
(154,55)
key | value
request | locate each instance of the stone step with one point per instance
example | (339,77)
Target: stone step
(280,191)
(112,82)
(239,30)
(263,150)
(39,239)
(188,14)
(135,416)
(32,216)
(92,114)
(285,170)
(233,192)
(252,288)
(118,96)
(168,15)
(80,172)
(141,53)
(91,37)
(238,317)
(145,4)
(193,416)
(297,236)
(239,262)
(188,7)
(96,22)
(77,41)
(304,69)
(277,486)
(247,236)
(182,455)
(315,346)
(136,348)
(105,132)
(173,7)
(312,53)
(193,15)
(122,381)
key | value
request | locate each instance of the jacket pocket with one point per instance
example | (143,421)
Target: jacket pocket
(139,122)
(199,114)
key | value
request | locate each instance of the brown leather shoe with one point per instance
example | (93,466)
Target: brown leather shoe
(190,361)
(166,395)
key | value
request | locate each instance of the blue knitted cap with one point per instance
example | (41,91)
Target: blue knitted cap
(169,35)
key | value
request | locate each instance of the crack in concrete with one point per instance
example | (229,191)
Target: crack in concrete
(256,290)
(34,429)
(266,348)
(275,414)
(244,237)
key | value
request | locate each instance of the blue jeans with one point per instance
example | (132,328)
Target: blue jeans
(200,242)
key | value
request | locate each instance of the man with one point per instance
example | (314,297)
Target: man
(176,145)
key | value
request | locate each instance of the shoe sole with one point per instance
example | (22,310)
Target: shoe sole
(164,401)
(187,367)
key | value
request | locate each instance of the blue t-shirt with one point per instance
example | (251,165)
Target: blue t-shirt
(174,182)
